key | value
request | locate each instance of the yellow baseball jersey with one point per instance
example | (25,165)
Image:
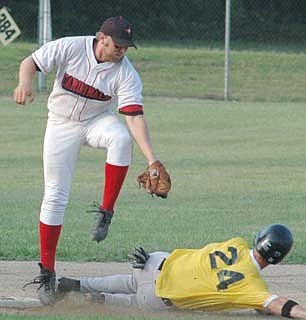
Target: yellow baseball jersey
(220,276)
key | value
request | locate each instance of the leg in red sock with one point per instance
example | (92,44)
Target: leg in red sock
(114,178)
(49,236)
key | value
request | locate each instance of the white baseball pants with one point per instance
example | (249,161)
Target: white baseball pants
(63,141)
(132,290)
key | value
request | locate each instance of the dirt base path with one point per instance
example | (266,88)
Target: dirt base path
(287,280)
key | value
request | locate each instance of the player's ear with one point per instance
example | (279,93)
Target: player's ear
(100,35)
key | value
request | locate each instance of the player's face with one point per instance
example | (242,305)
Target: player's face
(112,52)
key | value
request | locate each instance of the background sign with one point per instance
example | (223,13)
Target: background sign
(9,30)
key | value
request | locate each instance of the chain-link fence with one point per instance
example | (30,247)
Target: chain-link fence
(258,20)
(260,25)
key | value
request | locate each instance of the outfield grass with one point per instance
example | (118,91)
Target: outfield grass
(235,167)
(195,71)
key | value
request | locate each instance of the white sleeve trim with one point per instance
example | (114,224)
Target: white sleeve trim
(269,300)
(255,261)
(38,64)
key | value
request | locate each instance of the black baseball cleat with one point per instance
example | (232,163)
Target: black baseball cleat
(67,284)
(46,289)
(103,219)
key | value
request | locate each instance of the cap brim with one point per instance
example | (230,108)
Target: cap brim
(124,43)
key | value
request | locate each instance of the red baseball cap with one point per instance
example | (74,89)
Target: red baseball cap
(120,30)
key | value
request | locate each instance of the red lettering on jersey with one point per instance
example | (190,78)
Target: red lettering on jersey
(79,87)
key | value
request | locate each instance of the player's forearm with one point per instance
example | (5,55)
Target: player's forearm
(27,72)
(139,130)
(24,89)
(276,307)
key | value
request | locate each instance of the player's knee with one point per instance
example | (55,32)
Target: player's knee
(55,199)
(122,139)
(53,210)
(120,154)
(119,148)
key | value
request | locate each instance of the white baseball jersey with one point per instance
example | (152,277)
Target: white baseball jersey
(83,87)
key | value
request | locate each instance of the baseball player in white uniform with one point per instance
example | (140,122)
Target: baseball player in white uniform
(94,79)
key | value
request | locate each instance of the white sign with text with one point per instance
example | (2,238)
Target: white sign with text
(9,30)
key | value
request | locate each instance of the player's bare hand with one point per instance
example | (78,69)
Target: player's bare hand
(22,94)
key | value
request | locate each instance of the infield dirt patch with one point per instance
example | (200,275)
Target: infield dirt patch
(286,280)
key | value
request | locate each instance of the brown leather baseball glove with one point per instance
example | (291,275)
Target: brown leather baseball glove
(155,180)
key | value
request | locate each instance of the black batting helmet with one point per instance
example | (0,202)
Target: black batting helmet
(273,243)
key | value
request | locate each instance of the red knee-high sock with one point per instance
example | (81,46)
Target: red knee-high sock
(114,178)
(49,236)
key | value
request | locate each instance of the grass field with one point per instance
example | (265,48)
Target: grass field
(195,71)
(235,166)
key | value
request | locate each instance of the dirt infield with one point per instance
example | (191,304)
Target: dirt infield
(287,280)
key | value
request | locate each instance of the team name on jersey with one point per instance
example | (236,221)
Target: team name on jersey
(83,89)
